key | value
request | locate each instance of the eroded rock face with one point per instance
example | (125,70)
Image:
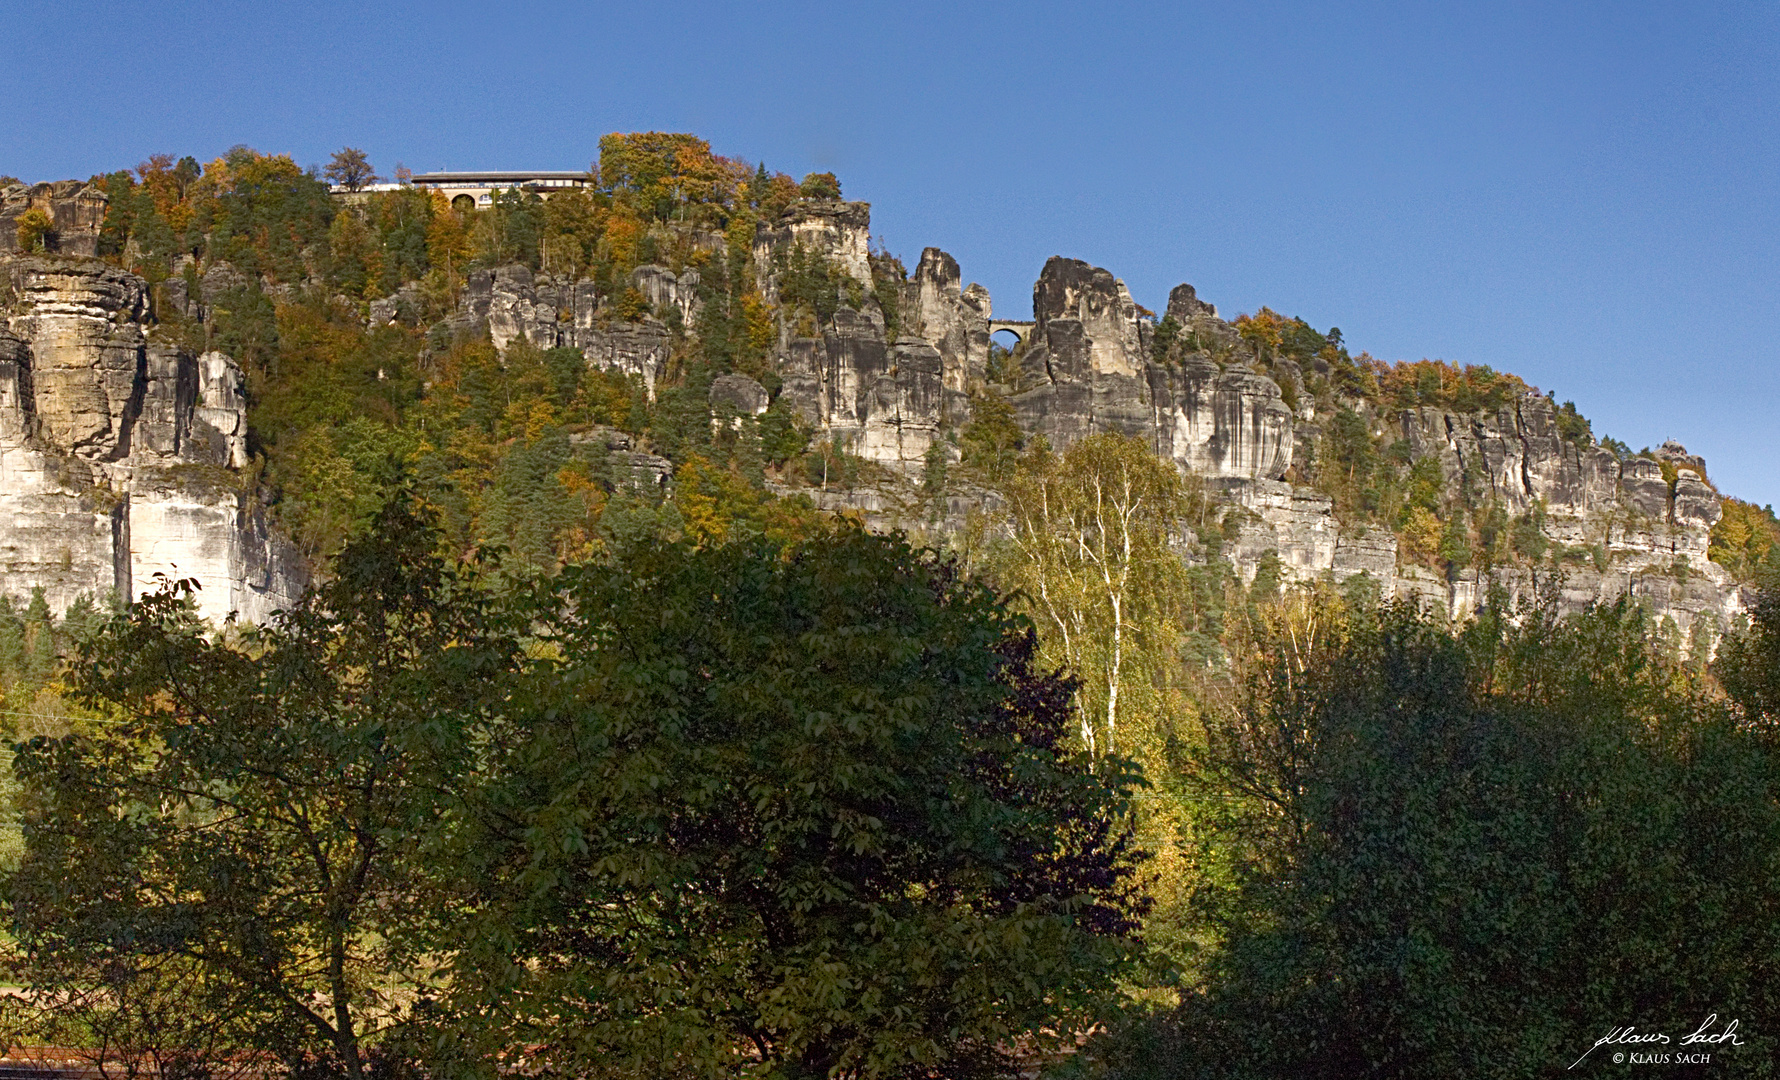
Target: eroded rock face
(76,208)
(738,395)
(514,303)
(954,319)
(667,291)
(1090,369)
(838,231)
(119,454)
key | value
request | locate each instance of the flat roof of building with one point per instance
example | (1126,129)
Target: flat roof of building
(494,177)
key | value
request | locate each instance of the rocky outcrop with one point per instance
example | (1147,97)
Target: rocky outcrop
(1089,368)
(897,390)
(619,462)
(838,231)
(1627,530)
(76,210)
(940,310)
(669,292)
(737,396)
(1184,305)
(120,455)
(514,303)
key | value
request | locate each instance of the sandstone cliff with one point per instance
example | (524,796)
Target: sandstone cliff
(76,209)
(121,456)
(890,376)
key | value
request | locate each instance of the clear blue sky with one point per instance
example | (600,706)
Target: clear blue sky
(1582,194)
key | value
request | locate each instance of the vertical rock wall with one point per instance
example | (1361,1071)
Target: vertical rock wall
(120,456)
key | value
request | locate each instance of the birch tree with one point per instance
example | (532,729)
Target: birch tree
(1091,553)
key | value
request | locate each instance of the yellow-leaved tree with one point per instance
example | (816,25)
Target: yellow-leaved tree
(1092,553)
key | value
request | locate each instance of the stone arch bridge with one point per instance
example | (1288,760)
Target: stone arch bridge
(1016,327)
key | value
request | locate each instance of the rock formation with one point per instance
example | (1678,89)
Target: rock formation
(1641,535)
(1089,369)
(513,303)
(938,309)
(76,209)
(838,231)
(121,455)
(894,388)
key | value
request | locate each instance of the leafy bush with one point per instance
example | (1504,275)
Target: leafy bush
(1475,853)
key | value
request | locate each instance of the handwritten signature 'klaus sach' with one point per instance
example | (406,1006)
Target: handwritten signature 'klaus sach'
(1629,1036)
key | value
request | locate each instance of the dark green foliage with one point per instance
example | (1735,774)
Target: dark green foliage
(1455,542)
(526,508)
(1492,534)
(32,643)
(1475,854)
(1300,341)
(681,424)
(888,276)
(1163,340)
(1573,427)
(244,324)
(1202,615)
(267,218)
(1749,667)
(935,466)
(1349,469)
(266,806)
(820,186)
(783,434)
(991,442)
(812,802)
(810,280)
(1527,535)
(1426,485)
(1269,575)
(510,229)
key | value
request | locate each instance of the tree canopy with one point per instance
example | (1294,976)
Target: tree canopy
(748,806)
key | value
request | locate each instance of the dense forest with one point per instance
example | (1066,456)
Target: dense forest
(562,770)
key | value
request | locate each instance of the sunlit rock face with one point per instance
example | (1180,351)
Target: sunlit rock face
(121,456)
(1087,369)
(511,303)
(76,210)
(938,308)
(838,231)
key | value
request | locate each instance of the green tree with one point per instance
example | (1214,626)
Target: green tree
(1749,667)
(820,186)
(813,804)
(1474,853)
(991,442)
(34,228)
(1090,553)
(249,821)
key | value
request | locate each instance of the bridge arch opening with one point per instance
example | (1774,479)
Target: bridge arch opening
(1005,349)
(463,203)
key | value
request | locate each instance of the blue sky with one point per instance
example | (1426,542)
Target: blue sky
(1582,194)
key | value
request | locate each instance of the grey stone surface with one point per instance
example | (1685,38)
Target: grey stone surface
(75,207)
(121,457)
(1087,367)
(739,395)
(667,291)
(839,231)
